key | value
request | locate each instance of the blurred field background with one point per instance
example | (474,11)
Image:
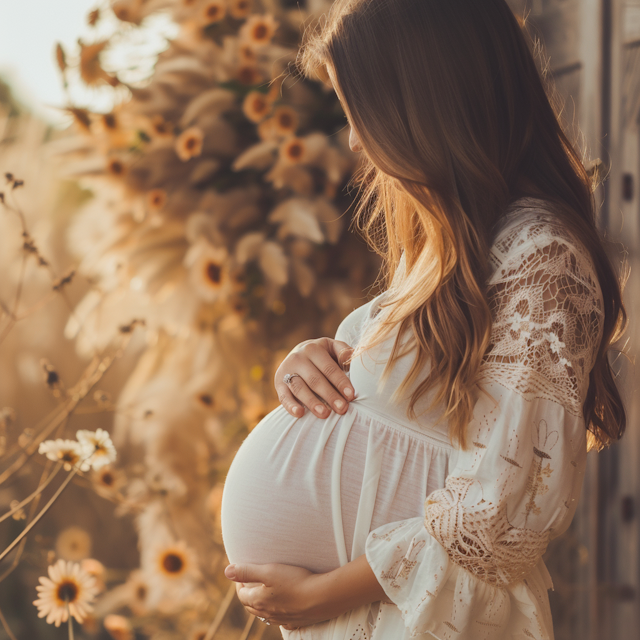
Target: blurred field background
(175,217)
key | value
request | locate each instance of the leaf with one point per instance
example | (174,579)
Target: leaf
(297,218)
(247,248)
(259,156)
(215,100)
(304,276)
(274,262)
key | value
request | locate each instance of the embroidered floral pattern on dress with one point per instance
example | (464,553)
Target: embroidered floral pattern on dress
(472,568)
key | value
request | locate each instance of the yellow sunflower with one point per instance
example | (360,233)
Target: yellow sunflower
(255,106)
(189,143)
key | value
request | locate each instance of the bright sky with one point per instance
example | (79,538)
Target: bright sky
(29,30)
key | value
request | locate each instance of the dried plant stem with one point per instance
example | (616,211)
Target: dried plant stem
(41,487)
(224,606)
(247,628)
(56,418)
(91,376)
(46,508)
(43,302)
(32,511)
(16,301)
(70,622)
(7,630)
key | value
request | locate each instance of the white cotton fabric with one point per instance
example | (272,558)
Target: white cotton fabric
(454,537)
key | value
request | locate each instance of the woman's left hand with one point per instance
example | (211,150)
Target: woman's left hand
(282,594)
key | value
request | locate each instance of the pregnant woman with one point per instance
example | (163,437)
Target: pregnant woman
(416,499)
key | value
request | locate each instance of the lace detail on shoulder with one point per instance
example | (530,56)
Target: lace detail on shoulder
(547,312)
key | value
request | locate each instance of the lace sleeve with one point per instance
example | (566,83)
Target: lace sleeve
(471,568)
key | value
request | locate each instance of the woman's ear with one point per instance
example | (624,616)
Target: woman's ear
(354,141)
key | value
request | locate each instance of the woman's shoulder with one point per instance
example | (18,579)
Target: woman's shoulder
(533,237)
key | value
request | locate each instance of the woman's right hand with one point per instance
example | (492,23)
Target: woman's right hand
(321,365)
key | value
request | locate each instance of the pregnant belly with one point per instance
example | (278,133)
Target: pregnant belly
(307,491)
(277,499)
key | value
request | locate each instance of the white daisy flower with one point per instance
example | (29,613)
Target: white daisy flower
(98,446)
(68,590)
(70,452)
(73,543)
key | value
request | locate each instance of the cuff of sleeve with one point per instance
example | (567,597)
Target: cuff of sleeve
(435,595)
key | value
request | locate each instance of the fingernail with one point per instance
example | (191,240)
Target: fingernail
(230,571)
(348,392)
(295,410)
(339,404)
(319,408)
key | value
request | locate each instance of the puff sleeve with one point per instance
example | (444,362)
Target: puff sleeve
(471,567)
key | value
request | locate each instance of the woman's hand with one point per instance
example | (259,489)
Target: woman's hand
(294,597)
(281,594)
(321,365)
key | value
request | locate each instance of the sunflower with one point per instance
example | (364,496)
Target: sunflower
(293,151)
(285,120)
(116,168)
(240,9)
(189,143)
(107,481)
(208,270)
(160,126)
(69,590)
(255,106)
(258,30)
(73,543)
(156,199)
(213,11)
(175,561)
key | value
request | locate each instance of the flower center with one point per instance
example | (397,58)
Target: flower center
(259,105)
(206,399)
(116,167)
(172,563)
(67,591)
(295,150)
(260,32)
(285,120)
(214,272)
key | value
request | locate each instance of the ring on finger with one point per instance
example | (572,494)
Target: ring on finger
(287,377)
(264,620)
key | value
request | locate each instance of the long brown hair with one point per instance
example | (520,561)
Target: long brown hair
(455,123)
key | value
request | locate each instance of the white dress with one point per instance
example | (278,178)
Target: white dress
(454,537)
